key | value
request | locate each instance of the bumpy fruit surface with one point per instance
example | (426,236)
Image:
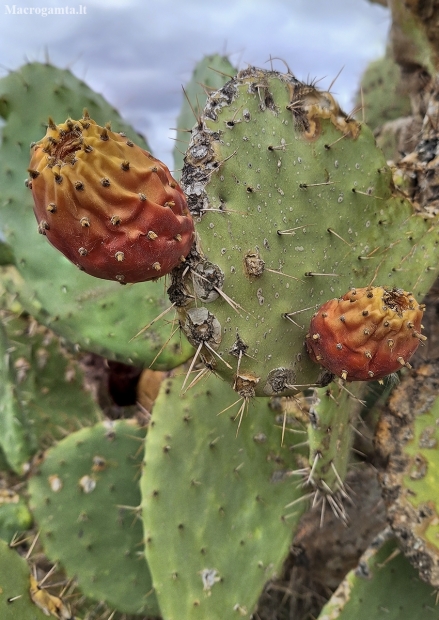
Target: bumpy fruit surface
(108,205)
(366,334)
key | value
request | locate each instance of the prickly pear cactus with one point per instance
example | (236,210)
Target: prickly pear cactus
(407,437)
(220,500)
(15,584)
(16,438)
(42,394)
(108,205)
(383,586)
(85,497)
(294,205)
(332,415)
(209,74)
(89,313)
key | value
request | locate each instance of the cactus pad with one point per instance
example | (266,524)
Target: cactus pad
(81,497)
(383,586)
(215,502)
(294,205)
(367,333)
(15,584)
(108,205)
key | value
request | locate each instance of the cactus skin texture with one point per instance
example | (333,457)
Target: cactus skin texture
(108,205)
(294,205)
(85,496)
(209,74)
(215,503)
(383,586)
(367,333)
(407,437)
(15,584)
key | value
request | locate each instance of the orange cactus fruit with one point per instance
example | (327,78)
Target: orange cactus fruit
(106,204)
(366,334)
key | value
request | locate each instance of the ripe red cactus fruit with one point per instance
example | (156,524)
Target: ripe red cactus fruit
(108,205)
(366,334)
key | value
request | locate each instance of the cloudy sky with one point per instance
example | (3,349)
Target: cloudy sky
(138,53)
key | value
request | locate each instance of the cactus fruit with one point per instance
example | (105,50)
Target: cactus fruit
(366,334)
(108,205)
(294,204)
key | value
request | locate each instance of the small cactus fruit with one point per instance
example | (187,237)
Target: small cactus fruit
(108,205)
(366,334)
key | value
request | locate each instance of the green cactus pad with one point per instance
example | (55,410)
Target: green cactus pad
(91,314)
(43,392)
(383,586)
(408,436)
(16,438)
(215,500)
(382,93)
(330,432)
(14,515)
(15,600)
(294,206)
(209,74)
(81,498)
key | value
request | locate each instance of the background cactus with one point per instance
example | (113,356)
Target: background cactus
(384,584)
(15,584)
(85,497)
